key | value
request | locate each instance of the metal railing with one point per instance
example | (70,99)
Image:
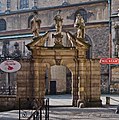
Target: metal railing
(8,91)
(33,109)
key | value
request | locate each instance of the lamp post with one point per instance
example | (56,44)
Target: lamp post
(110,42)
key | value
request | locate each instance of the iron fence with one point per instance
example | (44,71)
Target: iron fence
(8,91)
(33,109)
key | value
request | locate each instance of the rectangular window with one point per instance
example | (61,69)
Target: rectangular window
(8,4)
(35,2)
(24,4)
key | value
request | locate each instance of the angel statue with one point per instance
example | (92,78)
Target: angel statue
(80,25)
(58,23)
(35,24)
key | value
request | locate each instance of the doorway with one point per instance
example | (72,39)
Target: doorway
(53,87)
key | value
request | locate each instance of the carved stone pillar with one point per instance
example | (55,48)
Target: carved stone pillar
(39,79)
(93,83)
(75,81)
(25,80)
(82,81)
(49,78)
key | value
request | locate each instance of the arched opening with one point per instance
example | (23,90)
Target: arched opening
(29,21)
(83,13)
(89,51)
(58,85)
(2,24)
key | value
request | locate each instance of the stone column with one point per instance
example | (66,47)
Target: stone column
(39,79)
(49,78)
(42,69)
(24,84)
(82,81)
(24,88)
(74,69)
(93,84)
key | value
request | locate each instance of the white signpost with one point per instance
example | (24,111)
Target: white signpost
(9,66)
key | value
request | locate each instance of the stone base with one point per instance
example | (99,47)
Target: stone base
(82,104)
(74,103)
(7,102)
(93,103)
(12,102)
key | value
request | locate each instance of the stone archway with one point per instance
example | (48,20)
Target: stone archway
(50,58)
(86,72)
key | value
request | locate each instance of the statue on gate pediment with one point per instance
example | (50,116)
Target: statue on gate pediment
(35,25)
(58,23)
(58,36)
(80,25)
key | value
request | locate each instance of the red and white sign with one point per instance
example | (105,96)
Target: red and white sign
(10,66)
(109,61)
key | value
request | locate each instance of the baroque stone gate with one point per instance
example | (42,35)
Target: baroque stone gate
(85,72)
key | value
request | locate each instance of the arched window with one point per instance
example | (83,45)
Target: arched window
(83,13)
(24,4)
(29,21)
(89,51)
(2,24)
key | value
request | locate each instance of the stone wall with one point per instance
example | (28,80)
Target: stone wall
(8,102)
(25,80)
(95,12)
(99,36)
(15,4)
(93,90)
(58,74)
(114,87)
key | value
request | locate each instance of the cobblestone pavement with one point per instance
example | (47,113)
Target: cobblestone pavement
(67,99)
(70,113)
(73,113)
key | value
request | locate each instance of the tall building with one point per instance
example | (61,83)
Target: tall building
(15,27)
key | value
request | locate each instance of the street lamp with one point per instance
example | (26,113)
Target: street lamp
(110,41)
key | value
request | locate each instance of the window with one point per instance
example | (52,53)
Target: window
(0,6)
(8,4)
(83,13)
(2,24)
(29,21)
(89,51)
(24,4)
(116,41)
(117,34)
(35,2)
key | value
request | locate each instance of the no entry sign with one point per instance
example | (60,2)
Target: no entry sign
(109,61)
(10,66)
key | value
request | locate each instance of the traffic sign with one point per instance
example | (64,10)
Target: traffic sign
(109,61)
(10,66)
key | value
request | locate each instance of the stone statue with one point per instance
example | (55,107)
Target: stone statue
(80,25)
(35,25)
(58,23)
